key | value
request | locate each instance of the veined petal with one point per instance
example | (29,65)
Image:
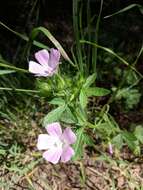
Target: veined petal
(67,153)
(45,142)
(36,68)
(42,57)
(69,136)
(54,58)
(53,155)
(54,129)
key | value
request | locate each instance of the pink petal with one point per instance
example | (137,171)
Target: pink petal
(110,149)
(53,155)
(69,136)
(45,142)
(36,68)
(54,58)
(54,129)
(42,57)
(68,152)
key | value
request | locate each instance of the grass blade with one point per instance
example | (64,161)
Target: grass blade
(46,32)
(94,49)
(114,54)
(77,33)
(126,9)
(7,65)
(24,37)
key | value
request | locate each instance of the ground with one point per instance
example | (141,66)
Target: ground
(23,167)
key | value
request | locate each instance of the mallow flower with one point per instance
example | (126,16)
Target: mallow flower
(57,145)
(47,63)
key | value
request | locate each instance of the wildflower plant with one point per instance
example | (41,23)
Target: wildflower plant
(73,92)
(71,100)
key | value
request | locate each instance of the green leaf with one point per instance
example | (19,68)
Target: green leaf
(88,140)
(81,116)
(131,77)
(139,133)
(131,96)
(79,145)
(118,141)
(82,140)
(130,139)
(2,152)
(83,99)
(3,72)
(68,117)
(57,101)
(54,115)
(90,80)
(96,91)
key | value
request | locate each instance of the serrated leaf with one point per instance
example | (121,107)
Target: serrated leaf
(89,81)
(96,91)
(54,115)
(57,101)
(83,98)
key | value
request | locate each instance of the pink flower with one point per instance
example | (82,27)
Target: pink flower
(110,148)
(56,143)
(47,63)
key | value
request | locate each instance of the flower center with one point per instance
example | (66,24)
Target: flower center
(58,143)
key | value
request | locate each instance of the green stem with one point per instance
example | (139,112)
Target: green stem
(60,78)
(19,90)
(13,67)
